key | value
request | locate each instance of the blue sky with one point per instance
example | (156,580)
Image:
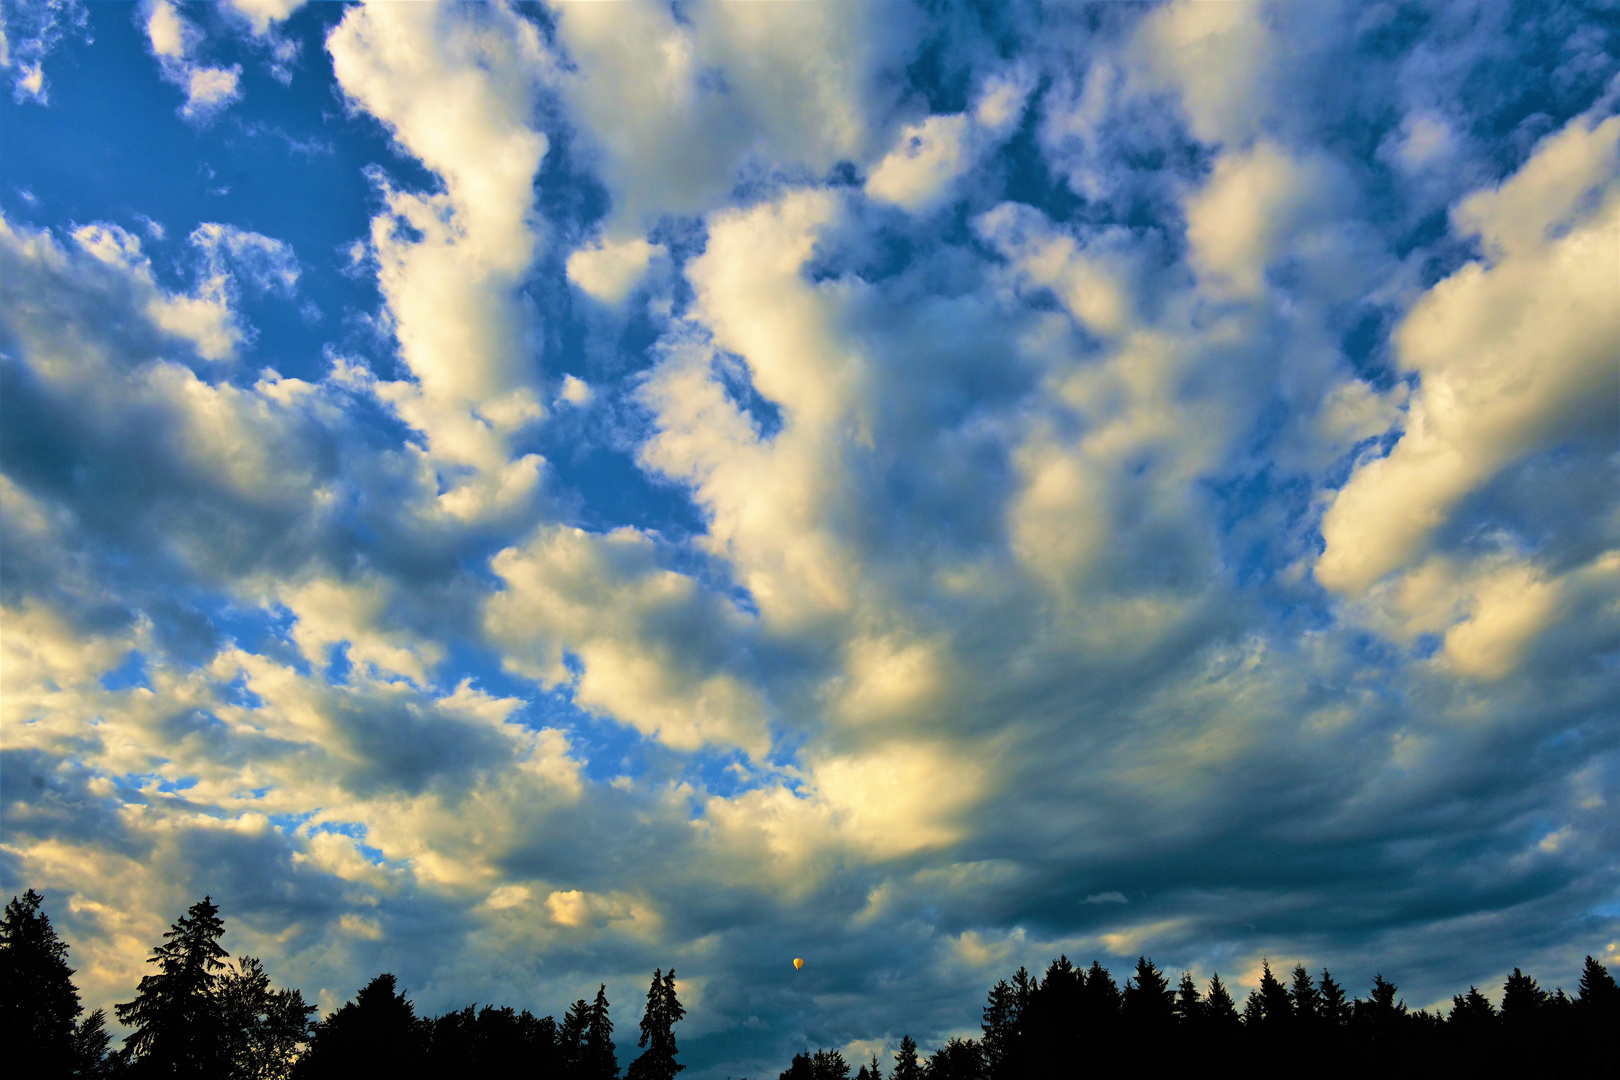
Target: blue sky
(520,496)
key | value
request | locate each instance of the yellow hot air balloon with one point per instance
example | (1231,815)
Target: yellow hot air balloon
(798,963)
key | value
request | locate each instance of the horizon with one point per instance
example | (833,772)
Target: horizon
(520,496)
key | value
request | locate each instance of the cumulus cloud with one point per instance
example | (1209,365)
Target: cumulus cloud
(915,492)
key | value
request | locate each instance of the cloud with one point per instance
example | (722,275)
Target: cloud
(608,271)
(913,490)
(1506,352)
(28,34)
(174,40)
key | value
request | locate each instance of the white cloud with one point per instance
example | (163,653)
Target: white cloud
(932,156)
(28,34)
(608,271)
(263,15)
(456,89)
(174,41)
(1511,356)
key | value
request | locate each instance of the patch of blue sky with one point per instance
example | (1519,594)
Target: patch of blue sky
(129,674)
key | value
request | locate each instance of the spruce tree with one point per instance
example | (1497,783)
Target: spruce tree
(571,1039)
(906,1065)
(1472,1013)
(600,1062)
(1306,998)
(1276,1008)
(1335,1007)
(1189,1006)
(657,1032)
(1523,1001)
(1001,1027)
(38,1001)
(376,1034)
(177,1028)
(1218,1004)
(1148,1004)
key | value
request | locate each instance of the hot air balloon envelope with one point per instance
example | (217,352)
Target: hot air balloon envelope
(797,963)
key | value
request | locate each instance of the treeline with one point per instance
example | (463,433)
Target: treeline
(203,1016)
(1073,1023)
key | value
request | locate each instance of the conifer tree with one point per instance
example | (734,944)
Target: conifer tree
(571,1040)
(1597,1008)
(1218,1004)
(177,1028)
(1522,1000)
(1335,1007)
(1472,1013)
(376,1034)
(906,1065)
(38,1001)
(600,1062)
(1254,1013)
(1189,1006)
(958,1059)
(657,1032)
(1306,998)
(1148,1004)
(1001,1027)
(1276,1008)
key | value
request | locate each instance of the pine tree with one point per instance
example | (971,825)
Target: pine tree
(1335,1008)
(1189,1007)
(1002,1026)
(1148,1004)
(1218,1004)
(571,1040)
(1276,1008)
(376,1034)
(657,1032)
(906,1065)
(1306,998)
(600,1062)
(1472,1013)
(38,1001)
(958,1059)
(1522,1000)
(177,1029)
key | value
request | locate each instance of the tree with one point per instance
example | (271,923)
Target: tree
(1189,1006)
(1335,1008)
(958,1059)
(1472,1013)
(599,1062)
(1003,1026)
(38,1001)
(177,1028)
(906,1066)
(571,1039)
(1148,1004)
(376,1034)
(657,1032)
(1276,1007)
(822,1065)
(1306,998)
(870,1071)
(264,1029)
(1523,1001)
(1218,1005)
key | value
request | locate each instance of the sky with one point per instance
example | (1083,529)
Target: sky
(520,496)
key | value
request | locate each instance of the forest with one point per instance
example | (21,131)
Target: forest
(204,1015)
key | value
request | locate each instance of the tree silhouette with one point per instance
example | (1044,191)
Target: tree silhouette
(264,1029)
(38,1001)
(1218,1005)
(958,1059)
(1189,1005)
(1276,1007)
(571,1040)
(1335,1008)
(376,1034)
(1148,1005)
(176,1026)
(599,1062)
(906,1065)
(1003,1027)
(1306,998)
(657,1031)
